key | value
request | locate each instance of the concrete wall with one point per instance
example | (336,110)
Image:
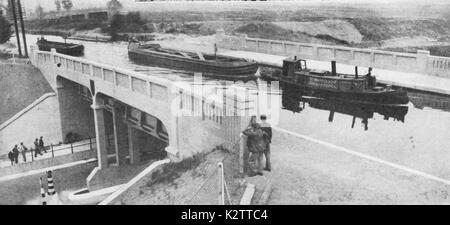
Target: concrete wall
(48,162)
(41,119)
(207,123)
(421,62)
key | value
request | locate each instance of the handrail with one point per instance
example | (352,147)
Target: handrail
(52,150)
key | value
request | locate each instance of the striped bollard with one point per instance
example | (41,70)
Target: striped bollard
(50,185)
(44,202)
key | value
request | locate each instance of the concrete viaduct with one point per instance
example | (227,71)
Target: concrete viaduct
(139,114)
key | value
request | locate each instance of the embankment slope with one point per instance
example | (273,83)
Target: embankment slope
(20,85)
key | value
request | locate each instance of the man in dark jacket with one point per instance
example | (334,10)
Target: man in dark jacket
(16,154)
(11,157)
(256,146)
(41,145)
(265,126)
(36,148)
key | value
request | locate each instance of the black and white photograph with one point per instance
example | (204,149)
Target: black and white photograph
(227,103)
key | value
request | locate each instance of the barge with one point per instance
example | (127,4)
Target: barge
(349,87)
(223,67)
(63,48)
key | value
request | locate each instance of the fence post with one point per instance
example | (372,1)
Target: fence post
(71,147)
(221,185)
(32,156)
(242,155)
(90,143)
(53,154)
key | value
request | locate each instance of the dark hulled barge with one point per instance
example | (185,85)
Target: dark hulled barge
(210,65)
(356,88)
(63,48)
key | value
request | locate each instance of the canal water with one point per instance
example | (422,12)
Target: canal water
(416,135)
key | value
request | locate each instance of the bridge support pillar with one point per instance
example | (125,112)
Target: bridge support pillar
(100,133)
(120,135)
(134,140)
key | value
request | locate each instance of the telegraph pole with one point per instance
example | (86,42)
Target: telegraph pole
(19,6)
(13,11)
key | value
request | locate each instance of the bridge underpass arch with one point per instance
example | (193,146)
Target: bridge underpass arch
(77,120)
(131,137)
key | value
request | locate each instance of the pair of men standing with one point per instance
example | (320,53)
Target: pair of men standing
(258,143)
(39,147)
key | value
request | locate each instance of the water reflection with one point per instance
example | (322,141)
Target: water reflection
(421,100)
(295,100)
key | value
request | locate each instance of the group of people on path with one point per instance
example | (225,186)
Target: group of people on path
(13,155)
(259,138)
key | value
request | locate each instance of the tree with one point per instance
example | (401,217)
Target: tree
(58,5)
(115,26)
(5,30)
(67,4)
(39,12)
(114,6)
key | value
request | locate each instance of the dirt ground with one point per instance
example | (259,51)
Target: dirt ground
(195,182)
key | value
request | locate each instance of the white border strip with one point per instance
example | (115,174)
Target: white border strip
(33,172)
(368,157)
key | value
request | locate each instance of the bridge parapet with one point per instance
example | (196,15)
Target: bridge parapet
(421,62)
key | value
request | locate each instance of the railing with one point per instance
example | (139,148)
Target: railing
(51,151)
(436,63)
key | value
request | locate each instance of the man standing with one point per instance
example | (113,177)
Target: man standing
(36,148)
(265,126)
(256,146)
(11,157)
(23,151)
(41,145)
(16,154)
